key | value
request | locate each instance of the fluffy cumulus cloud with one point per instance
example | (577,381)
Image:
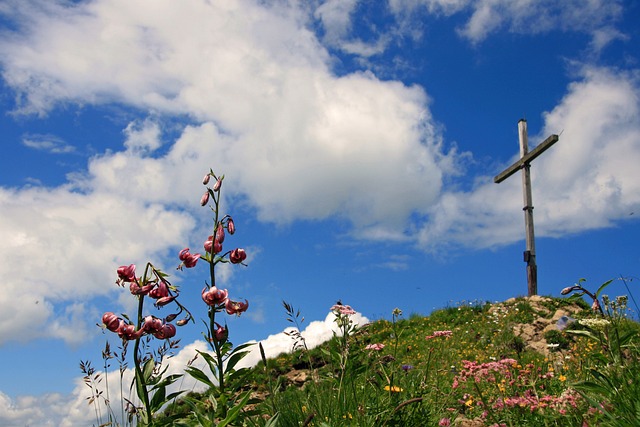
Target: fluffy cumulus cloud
(71,410)
(587,180)
(256,85)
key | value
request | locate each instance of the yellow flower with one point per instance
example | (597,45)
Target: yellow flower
(393,389)
(562,378)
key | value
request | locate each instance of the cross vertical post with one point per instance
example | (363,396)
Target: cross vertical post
(530,253)
(524,163)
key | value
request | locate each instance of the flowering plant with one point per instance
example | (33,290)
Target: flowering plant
(223,359)
(150,382)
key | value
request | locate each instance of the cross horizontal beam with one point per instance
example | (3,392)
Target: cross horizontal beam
(527,158)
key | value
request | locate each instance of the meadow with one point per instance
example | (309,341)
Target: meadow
(534,361)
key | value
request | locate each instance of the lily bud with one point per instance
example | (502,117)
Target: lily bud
(217,185)
(220,234)
(205,199)
(206,179)
(231,227)
(221,333)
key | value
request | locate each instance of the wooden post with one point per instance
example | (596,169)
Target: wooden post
(530,253)
(524,163)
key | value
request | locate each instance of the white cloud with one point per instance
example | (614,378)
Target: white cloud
(74,410)
(76,241)
(587,180)
(46,142)
(522,16)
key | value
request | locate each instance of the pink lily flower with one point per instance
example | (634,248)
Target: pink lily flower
(214,296)
(127,273)
(237,256)
(236,307)
(167,331)
(111,321)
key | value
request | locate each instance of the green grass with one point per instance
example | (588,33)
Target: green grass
(482,373)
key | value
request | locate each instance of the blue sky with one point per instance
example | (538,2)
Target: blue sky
(359,141)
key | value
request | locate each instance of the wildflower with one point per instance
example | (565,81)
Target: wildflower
(167,331)
(231,228)
(188,259)
(128,332)
(444,422)
(136,289)
(220,233)
(397,312)
(206,179)
(597,324)
(204,199)
(393,389)
(127,273)
(111,321)
(562,378)
(221,333)
(596,305)
(161,302)
(237,256)
(214,296)
(375,347)
(217,185)
(407,368)
(152,324)
(160,291)
(436,334)
(340,309)
(569,289)
(236,307)
(211,244)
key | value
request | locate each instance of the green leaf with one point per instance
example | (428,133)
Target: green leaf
(236,356)
(147,370)
(602,287)
(585,333)
(273,421)
(235,411)
(624,340)
(199,375)
(158,399)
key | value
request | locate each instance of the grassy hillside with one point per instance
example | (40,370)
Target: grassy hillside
(525,362)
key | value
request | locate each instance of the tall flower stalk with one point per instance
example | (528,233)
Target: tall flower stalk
(224,357)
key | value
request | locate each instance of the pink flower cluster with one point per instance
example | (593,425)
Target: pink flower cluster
(159,328)
(484,371)
(219,298)
(375,347)
(157,289)
(344,310)
(531,400)
(436,334)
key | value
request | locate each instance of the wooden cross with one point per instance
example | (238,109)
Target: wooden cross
(526,157)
